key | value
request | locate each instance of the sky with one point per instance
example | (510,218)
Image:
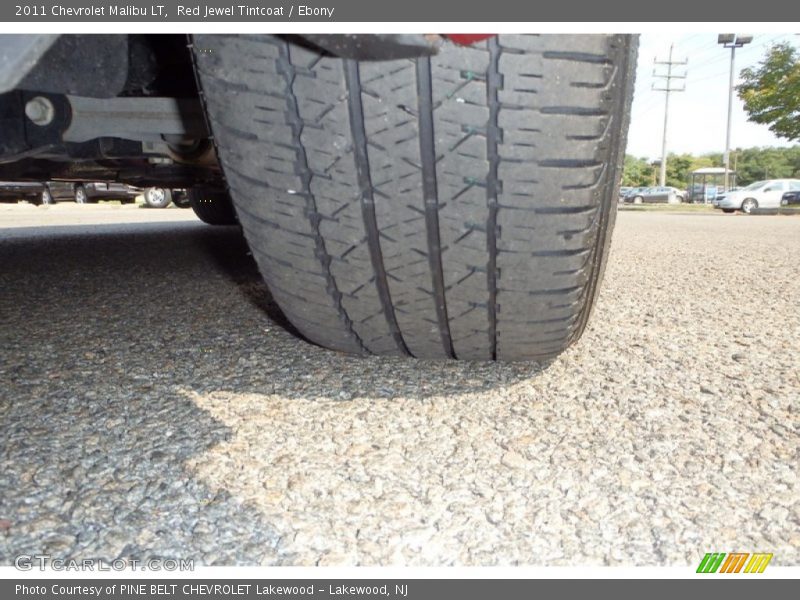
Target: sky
(697,117)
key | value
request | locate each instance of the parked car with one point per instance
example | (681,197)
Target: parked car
(34,192)
(624,191)
(93,191)
(635,195)
(791,198)
(658,194)
(668,194)
(37,192)
(761,194)
(53,191)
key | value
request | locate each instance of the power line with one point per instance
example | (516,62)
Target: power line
(668,88)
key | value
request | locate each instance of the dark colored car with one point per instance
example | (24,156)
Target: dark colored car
(635,195)
(103,190)
(791,198)
(60,191)
(53,191)
(34,192)
(655,195)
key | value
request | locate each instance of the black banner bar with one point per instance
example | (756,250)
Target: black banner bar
(743,586)
(463,11)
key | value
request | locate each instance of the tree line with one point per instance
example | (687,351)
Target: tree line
(750,164)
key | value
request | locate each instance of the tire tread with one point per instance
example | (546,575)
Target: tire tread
(457,206)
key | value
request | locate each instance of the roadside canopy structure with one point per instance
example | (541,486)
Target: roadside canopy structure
(708,182)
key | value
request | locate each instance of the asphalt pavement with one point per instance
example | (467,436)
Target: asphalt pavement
(154,403)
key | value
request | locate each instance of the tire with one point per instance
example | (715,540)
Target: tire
(638,200)
(749,205)
(212,206)
(728,210)
(80,195)
(46,197)
(181,199)
(458,206)
(157,197)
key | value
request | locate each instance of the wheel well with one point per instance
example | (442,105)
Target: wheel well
(135,74)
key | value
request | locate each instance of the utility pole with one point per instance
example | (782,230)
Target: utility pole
(732,41)
(667,89)
(654,164)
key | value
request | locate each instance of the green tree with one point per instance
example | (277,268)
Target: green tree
(771,92)
(705,161)
(679,166)
(637,172)
(754,164)
(751,164)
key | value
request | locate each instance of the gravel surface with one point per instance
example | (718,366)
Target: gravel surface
(154,404)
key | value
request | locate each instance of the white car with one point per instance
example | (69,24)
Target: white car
(761,194)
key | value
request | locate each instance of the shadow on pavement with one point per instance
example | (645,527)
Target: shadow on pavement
(108,335)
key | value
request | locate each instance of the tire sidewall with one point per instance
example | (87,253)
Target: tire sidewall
(749,205)
(181,200)
(164,201)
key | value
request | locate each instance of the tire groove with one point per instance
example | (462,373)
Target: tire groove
(356,113)
(286,69)
(608,210)
(493,84)
(431,198)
